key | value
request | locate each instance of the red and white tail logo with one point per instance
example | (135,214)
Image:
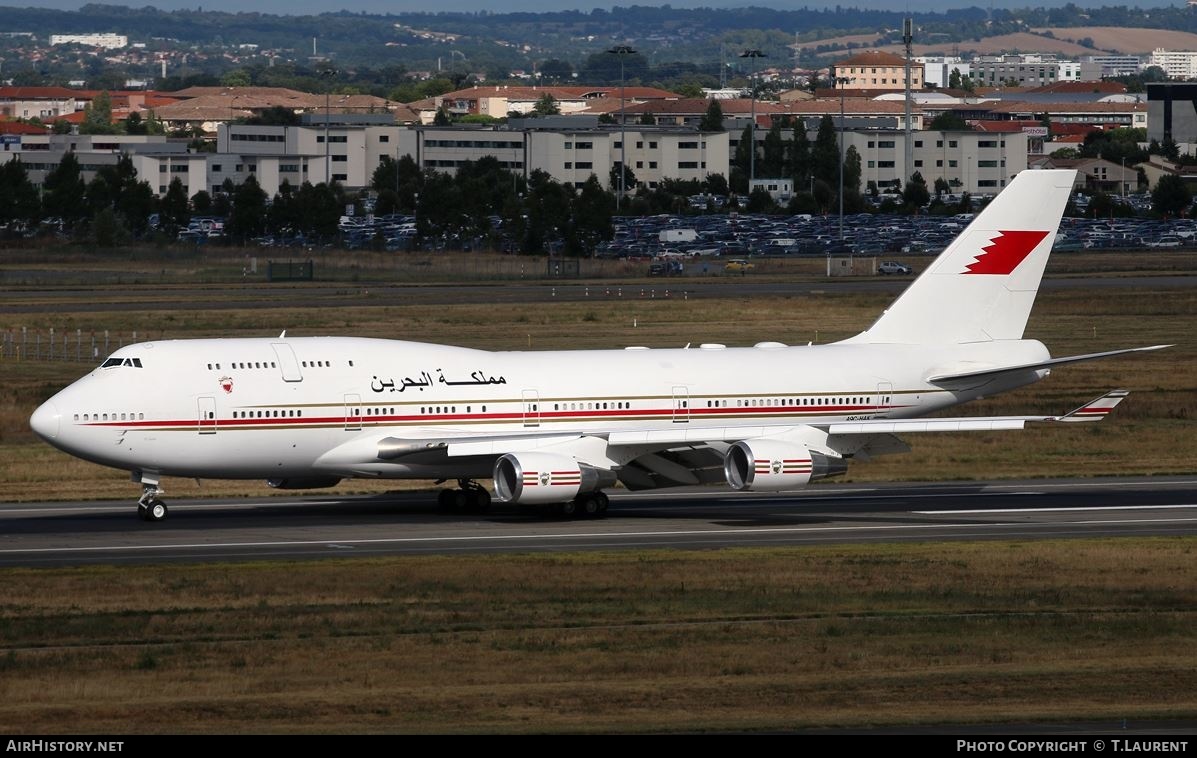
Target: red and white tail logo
(1004,252)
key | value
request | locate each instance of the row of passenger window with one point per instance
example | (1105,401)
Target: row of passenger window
(793,401)
(268,414)
(258,364)
(435,409)
(110,417)
(618,405)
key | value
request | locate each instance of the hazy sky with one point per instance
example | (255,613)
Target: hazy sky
(294,7)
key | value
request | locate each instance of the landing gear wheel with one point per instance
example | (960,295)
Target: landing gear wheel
(603,501)
(589,505)
(568,509)
(444,500)
(479,500)
(155,510)
(143,511)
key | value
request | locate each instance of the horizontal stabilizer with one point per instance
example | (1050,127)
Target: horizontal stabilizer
(990,372)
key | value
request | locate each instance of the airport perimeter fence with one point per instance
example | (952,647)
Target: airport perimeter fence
(66,345)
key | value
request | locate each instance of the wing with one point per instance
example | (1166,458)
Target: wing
(683,455)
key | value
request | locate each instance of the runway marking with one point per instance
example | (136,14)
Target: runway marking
(1061,509)
(569,536)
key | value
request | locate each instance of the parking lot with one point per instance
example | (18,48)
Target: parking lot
(750,235)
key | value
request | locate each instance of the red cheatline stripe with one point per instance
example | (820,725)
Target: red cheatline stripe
(603,415)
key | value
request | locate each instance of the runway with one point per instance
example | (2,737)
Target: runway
(78,533)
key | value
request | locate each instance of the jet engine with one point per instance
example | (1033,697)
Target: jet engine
(535,478)
(763,465)
(304,482)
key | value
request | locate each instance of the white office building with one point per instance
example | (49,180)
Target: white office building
(937,69)
(974,162)
(106,41)
(1177,64)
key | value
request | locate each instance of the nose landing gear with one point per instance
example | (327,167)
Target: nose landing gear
(150,507)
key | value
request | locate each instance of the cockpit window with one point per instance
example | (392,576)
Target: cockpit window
(132,362)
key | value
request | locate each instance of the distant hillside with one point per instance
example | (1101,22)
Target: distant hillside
(1060,40)
(1022,42)
(1129,41)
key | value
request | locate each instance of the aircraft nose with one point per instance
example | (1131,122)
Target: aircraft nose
(45,420)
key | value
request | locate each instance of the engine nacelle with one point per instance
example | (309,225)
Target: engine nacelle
(535,478)
(763,465)
(304,482)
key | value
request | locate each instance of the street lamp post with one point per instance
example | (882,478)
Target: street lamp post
(752,55)
(841,81)
(327,73)
(622,51)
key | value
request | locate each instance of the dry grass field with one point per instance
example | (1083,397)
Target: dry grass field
(1130,41)
(661,641)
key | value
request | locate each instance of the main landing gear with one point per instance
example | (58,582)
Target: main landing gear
(585,505)
(469,497)
(151,507)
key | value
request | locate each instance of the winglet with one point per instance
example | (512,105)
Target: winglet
(1097,409)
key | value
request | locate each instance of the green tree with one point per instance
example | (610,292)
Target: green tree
(592,212)
(742,160)
(547,207)
(760,201)
(173,210)
(64,193)
(629,179)
(134,124)
(108,229)
(201,203)
(442,117)
(556,70)
(825,154)
(773,153)
(915,194)
(546,106)
(852,171)
(97,116)
(248,218)
(236,78)
(716,184)
(798,157)
(1171,196)
(276,115)
(948,121)
(712,120)
(942,186)
(19,201)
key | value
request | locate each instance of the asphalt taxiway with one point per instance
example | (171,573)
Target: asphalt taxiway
(75,533)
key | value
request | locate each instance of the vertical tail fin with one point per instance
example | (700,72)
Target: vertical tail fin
(982,286)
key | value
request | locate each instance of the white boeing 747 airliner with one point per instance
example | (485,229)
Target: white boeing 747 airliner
(554,428)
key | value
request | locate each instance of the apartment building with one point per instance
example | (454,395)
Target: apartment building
(877,70)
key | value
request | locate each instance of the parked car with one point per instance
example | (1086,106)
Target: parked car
(738,266)
(893,267)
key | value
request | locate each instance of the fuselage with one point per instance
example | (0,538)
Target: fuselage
(292,407)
